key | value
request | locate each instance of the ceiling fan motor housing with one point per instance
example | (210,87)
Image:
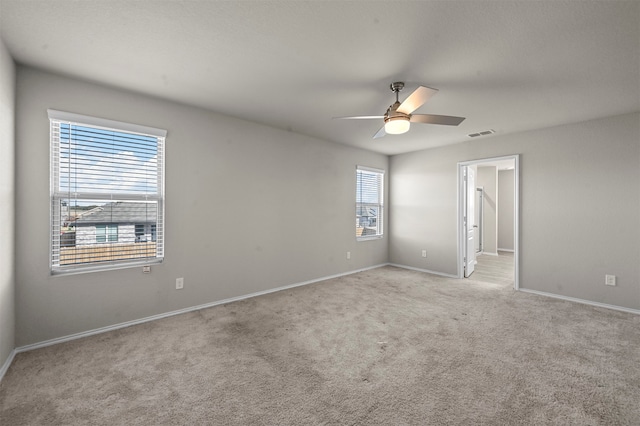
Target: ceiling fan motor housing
(396,122)
(393,113)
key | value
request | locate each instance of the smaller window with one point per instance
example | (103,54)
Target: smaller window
(107,233)
(369,203)
(140,235)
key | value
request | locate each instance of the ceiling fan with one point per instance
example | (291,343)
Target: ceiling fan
(398,117)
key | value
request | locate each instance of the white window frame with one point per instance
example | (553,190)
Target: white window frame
(379,204)
(56,194)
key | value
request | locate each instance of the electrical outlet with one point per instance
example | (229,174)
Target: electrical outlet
(424,253)
(179,283)
(609,280)
(146,269)
(348,255)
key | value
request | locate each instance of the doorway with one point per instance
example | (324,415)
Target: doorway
(477,214)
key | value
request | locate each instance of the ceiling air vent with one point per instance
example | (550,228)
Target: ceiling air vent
(483,133)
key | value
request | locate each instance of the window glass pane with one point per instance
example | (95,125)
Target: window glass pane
(112,233)
(100,231)
(106,161)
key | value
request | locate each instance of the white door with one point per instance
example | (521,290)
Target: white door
(469,221)
(478,219)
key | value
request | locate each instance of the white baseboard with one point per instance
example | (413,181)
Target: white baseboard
(88,333)
(442,274)
(179,311)
(7,363)
(507,250)
(583,301)
(488,253)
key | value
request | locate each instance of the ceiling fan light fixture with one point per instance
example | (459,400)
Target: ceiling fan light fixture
(397,125)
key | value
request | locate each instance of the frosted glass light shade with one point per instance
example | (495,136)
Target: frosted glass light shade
(397,126)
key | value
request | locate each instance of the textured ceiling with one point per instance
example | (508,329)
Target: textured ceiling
(508,66)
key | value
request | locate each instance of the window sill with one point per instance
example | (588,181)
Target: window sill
(101,268)
(371,237)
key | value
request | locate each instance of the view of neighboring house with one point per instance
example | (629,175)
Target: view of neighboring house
(115,222)
(366,220)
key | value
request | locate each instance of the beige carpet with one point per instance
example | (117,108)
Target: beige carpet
(381,347)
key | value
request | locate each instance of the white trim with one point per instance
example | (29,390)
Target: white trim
(370,169)
(76,270)
(100,330)
(9,360)
(516,205)
(488,253)
(69,117)
(516,236)
(582,301)
(507,250)
(370,237)
(428,271)
(7,364)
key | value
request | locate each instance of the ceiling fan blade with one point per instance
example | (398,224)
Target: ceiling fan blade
(360,117)
(380,133)
(415,100)
(447,120)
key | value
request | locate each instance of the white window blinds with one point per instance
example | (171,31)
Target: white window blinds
(369,202)
(107,193)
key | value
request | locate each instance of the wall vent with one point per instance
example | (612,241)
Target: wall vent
(483,133)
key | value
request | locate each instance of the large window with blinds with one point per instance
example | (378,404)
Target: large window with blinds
(369,202)
(107,193)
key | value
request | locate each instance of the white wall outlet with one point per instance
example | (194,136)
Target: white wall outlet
(146,269)
(348,255)
(179,283)
(609,280)
(424,253)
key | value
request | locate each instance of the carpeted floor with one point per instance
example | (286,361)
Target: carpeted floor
(382,347)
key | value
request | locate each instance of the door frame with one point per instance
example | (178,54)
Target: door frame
(516,202)
(480,209)
(468,209)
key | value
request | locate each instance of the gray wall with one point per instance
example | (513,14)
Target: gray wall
(580,202)
(487,177)
(506,199)
(249,208)
(7,203)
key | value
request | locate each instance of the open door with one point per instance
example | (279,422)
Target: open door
(469,220)
(478,217)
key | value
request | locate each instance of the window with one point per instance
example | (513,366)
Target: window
(369,202)
(107,193)
(107,233)
(140,235)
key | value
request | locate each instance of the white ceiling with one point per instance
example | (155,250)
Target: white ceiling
(508,66)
